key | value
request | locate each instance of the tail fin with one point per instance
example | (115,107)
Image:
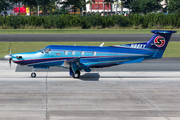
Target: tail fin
(159,42)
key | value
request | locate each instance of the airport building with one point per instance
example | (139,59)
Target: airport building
(97,6)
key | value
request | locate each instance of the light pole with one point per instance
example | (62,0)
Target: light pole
(91,6)
(116,6)
(121,7)
(103,7)
(38,7)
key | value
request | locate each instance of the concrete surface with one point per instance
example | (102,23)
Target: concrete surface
(95,96)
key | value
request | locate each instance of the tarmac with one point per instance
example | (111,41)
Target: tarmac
(102,95)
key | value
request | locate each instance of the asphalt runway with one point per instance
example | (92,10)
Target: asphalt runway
(78,37)
(103,95)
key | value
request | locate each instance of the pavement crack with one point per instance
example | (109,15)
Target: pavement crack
(125,82)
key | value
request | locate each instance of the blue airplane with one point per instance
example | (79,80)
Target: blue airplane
(78,58)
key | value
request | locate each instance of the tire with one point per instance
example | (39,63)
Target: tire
(33,75)
(77,74)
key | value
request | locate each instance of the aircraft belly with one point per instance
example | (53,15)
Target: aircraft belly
(49,63)
(24,62)
(41,62)
(109,61)
(59,63)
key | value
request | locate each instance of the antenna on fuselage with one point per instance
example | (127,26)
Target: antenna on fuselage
(102,45)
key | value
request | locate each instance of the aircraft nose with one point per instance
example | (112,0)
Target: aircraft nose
(7,57)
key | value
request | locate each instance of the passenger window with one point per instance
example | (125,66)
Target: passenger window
(73,52)
(82,52)
(94,53)
(66,52)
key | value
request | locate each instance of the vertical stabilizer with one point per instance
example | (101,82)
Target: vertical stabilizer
(159,42)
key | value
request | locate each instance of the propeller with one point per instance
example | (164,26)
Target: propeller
(10,62)
(9,56)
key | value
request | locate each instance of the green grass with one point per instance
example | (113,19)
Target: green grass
(18,47)
(76,31)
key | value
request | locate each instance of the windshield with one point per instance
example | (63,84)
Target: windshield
(45,50)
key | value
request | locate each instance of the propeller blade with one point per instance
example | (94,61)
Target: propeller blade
(9,56)
(10,49)
(10,62)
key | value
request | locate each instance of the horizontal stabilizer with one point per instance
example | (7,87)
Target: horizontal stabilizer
(163,32)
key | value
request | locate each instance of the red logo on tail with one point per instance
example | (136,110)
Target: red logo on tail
(159,41)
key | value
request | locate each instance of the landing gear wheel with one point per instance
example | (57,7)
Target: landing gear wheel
(33,75)
(76,74)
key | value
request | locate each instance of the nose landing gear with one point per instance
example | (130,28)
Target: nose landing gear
(33,74)
(76,74)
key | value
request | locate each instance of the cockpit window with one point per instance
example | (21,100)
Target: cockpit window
(42,50)
(45,50)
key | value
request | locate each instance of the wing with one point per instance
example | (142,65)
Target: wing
(75,64)
(139,60)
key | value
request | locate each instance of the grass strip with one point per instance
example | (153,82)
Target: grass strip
(77,31)
(19,47)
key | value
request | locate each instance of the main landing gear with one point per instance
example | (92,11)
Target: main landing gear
(76,74)
(33,74)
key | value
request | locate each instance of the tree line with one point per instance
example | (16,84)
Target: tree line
(135,6)
(136,21)
(7,4)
